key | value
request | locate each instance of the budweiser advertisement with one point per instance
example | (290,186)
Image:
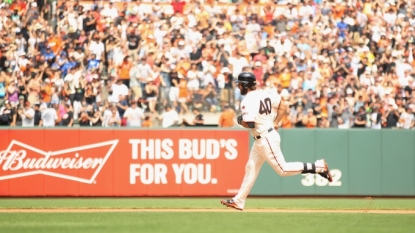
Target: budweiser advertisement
(121,162)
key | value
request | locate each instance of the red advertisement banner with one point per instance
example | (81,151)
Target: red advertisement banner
(121,162)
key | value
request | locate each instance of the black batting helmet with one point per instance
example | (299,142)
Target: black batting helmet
(247,79)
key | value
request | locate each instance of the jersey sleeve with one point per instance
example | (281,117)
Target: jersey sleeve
(248,111)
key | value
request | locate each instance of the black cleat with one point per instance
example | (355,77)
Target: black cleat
(326,174)
(230,203)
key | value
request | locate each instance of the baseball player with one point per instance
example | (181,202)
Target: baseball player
(259,116)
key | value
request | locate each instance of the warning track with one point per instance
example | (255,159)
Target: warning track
(222,210)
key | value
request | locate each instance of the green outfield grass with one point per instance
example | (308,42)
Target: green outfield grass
(200,222)
(204,222)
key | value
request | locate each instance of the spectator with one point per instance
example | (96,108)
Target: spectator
(227,117)
(96,119)
(324,122)
(122,105)
(361,119)
(27,115)
(151,91)
(193,77)
(49,116)
(287,121)
(335,115)
(309,120)
(226,86)
(169,117)
(118,89)
(178,6)
(114,120)
(299,116)
(83,119)
(197,121)
(12,94)
(68,116)
(391,116)
(210,97)
(134,115)
(6,114)
(407,119)
(183,97)
(147,122)
(37,116)
(2,92)
(124,71)
(348,57)
(376,118)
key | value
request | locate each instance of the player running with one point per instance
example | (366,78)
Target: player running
(258,116)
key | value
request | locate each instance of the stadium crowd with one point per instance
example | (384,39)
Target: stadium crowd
(338,64)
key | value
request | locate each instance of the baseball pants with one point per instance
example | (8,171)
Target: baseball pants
(267,148)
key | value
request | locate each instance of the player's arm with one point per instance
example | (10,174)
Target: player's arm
(281,111)
(246,124)
(247,119)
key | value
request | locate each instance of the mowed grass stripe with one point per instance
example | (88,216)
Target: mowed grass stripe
(209,203)
(114,210)
(225,222)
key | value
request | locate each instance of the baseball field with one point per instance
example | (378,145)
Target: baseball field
(206,215)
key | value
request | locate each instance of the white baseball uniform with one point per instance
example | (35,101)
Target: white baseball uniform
(259,106)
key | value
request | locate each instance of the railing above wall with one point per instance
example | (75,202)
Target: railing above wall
(257,8)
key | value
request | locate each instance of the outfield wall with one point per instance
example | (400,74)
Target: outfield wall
(198,162)
(363,162)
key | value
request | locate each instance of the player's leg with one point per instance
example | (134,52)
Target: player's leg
(272,151)
(252,168)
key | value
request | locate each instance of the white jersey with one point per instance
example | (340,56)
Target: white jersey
(258,106)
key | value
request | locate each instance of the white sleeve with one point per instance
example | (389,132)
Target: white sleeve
(127,113)
(91,47)
(175,116)
(68,78)
(55,116)
(31,112)
(248,112)
(125,90)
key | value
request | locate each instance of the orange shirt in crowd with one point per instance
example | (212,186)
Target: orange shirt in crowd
(124,72)
(203,19)
(47,93)
(99,25)
(367,8)
(208,53)
(18,5)
(383,43)
(338,11)
(269,29)
(295,28)
(286,122)
(183,91)
(55,44)
(309,125)
(285,80)
(183,66)
(272,79)
(323,104)
(282,63)
(226,118)
(147,123)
